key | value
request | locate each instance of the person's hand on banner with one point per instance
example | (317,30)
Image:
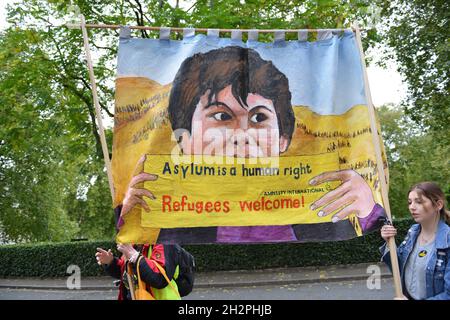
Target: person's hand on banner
(104,257)
(128,251)
(352,196)
(136,191)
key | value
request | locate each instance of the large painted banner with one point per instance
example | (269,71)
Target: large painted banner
(222,141)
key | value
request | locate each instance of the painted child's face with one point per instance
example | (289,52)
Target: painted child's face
(234,128)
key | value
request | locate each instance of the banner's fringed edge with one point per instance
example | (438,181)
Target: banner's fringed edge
(178,29)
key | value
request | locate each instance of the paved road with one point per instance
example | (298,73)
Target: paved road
(343,290)
(347,290)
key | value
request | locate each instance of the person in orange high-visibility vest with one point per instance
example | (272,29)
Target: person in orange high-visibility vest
(156,283)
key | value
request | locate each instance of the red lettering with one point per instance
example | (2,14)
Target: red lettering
(286,203)
(245,204)
(166,203)
(183,202)
(199,207)
(209,206)
(276,204)
(268,205)
(226,206)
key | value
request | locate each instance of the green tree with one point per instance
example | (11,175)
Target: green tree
(413,156)
(52,179)
(417,35)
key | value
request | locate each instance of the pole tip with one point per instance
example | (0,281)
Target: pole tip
(73,25)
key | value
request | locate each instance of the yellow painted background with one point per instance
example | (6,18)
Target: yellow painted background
(142,127)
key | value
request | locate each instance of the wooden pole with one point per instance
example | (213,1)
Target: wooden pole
(98,112)
(380,166)
(178,29)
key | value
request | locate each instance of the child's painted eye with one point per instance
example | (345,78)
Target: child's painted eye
(258,117)
(221,116)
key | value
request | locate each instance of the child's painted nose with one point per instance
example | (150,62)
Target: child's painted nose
(240,138)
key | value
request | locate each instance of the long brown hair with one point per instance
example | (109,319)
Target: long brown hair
(433,192)
(244,70)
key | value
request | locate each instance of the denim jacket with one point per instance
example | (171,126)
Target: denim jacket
(438,267)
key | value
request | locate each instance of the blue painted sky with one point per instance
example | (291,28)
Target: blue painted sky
(325,75)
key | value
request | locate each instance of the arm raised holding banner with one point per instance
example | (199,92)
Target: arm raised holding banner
(135,191)
(352,196)
(249,119)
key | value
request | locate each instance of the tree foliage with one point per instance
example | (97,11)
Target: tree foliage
(413,156)
(417,37)
(53,184)
(417,34)
(52,178)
